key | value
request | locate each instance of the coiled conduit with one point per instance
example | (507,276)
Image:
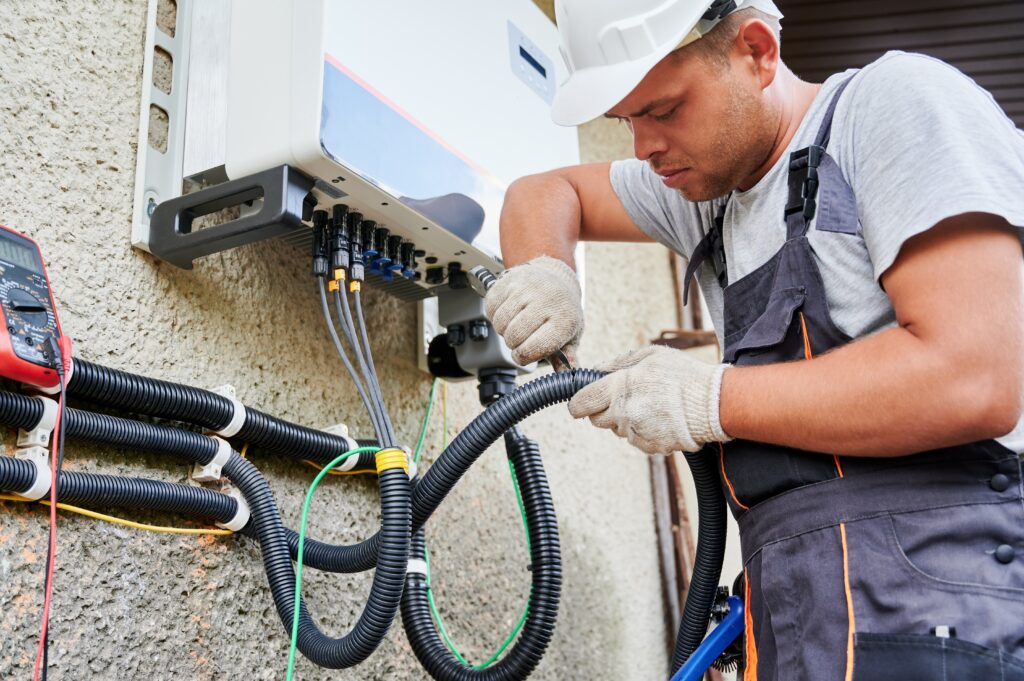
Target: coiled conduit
(169,400)
(545,564)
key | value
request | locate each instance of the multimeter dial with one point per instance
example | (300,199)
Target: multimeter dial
(30,323)
(30,328)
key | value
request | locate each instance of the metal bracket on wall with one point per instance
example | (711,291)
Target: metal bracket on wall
(161,116)
(280,197)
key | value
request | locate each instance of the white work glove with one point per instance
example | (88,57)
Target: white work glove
(537,309)
(660,399)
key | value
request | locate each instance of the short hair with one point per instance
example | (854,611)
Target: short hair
(714,46)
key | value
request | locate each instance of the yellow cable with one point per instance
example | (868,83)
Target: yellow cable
(334,472)
(121,521)
(245,449)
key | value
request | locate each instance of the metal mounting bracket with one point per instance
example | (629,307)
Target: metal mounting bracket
(281,198)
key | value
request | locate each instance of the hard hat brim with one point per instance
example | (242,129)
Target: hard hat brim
(590,93)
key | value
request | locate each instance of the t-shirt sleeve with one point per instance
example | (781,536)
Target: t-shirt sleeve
(659,212)
(927,144)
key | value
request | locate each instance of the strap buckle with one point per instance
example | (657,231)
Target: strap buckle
(803,181)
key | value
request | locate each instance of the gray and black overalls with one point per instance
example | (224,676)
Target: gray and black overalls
(860,569)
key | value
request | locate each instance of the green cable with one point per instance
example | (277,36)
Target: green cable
(426,421)
(302,545)
(522,618)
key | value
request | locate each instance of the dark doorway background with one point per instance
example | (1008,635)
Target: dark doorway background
(984,39)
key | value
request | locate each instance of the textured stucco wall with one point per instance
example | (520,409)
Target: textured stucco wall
(129,604)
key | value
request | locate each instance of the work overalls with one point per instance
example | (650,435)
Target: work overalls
(860,569)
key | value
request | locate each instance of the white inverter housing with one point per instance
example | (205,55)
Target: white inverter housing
(416,114)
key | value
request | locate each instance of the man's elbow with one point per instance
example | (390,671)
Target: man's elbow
(997,404)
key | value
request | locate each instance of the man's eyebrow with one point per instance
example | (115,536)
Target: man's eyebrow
(644,111)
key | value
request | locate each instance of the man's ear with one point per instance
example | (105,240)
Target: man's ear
(757,44)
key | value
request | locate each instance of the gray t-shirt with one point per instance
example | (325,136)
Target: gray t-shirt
(916,139)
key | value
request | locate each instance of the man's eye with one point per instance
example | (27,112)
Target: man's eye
(661,118)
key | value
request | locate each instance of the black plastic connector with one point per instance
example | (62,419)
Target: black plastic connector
(320,243)
(339,238)
(369,227)
(357,271)
(457,277)
(407,255)
(380,247)
(394,252)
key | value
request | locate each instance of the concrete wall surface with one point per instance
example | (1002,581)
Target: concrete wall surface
(135,605)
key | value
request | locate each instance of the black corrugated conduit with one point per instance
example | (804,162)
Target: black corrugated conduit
(707,568)
(150,437)
(168,400)
(546,568)
(385,594)
(151,397)
(162,399)
(92,489)
(16,475)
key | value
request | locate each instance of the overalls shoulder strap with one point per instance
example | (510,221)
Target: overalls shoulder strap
(804,179)
(804,176)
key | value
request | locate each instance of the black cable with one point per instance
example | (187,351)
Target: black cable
(545,567)
(141,395)
(105,491)
(385,594)
(136,394)
(169,400)
(707,568)
(456,460)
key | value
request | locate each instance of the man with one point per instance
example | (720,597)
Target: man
(858,244)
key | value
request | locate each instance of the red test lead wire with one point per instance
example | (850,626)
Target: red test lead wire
(55,465)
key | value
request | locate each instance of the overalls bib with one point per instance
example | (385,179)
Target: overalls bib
(860,569)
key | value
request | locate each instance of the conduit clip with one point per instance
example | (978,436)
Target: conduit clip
(242,515)
(227,391)
(341,430)
(44,476)
(211,471)
(417,566)
(39,436)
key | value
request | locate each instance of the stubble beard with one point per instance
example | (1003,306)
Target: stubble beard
(742,143)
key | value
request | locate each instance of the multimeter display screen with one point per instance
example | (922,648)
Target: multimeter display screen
(22,256)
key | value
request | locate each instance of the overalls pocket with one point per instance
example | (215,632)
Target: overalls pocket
(772,329)
(923,657)
(912,572)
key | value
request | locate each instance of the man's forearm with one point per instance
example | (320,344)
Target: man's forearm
(885,395)
(541,216)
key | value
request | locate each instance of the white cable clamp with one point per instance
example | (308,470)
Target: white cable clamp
(242,515)
(412,469)
(237,419)
(39,436)
(211,472)
(341,430)
(44,476)
(417,566)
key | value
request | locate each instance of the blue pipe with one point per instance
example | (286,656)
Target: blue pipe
(716,642)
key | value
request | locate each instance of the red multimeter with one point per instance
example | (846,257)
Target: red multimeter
(30,318)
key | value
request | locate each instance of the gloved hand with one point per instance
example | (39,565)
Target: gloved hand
(537,309)
(660,399)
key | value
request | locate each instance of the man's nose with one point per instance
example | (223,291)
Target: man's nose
(647,140)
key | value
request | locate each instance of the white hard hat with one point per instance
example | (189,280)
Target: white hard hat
(610,45)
